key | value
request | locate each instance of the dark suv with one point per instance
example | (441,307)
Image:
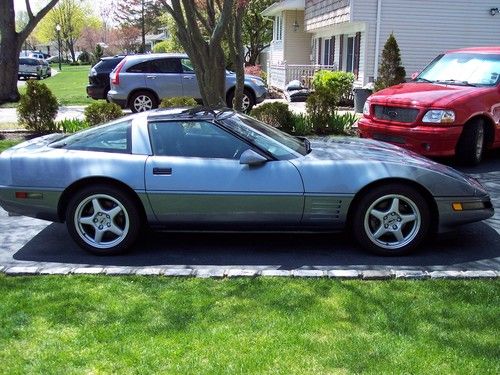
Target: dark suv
(98,86)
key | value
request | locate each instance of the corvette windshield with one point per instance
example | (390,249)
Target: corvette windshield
(274,141)
(469,69)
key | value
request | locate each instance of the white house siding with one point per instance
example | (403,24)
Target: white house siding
(426,28)
(297,44)
(323,13)
(348,29)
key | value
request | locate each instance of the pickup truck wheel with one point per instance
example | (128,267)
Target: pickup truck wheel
(470,146)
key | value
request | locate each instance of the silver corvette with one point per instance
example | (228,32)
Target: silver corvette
(221,170)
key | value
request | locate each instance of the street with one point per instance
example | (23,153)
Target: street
(31,242)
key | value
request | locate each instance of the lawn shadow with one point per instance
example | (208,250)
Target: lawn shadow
(476,246)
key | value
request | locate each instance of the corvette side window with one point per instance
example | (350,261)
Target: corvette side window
(108,138)
(200,139)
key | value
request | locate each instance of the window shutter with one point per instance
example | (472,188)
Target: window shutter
(319,51)
(357,47)
(341,50)
(332,51)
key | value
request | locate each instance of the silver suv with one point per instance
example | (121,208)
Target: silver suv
(31,67)
(140,82)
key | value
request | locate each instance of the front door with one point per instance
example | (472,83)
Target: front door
(195,177)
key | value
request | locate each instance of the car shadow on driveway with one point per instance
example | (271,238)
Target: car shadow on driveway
(476,246)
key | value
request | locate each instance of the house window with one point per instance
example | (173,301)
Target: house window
(326,52)
(278,28)
(349,67)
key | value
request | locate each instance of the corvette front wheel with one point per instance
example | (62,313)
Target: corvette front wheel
(391,220)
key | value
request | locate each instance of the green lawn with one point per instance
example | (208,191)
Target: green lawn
(68,86)
(133,325)
(6,143)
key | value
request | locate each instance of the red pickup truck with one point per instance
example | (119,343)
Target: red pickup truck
(451,108)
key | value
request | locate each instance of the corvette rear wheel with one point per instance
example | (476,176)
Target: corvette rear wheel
(103,220)
(391,220)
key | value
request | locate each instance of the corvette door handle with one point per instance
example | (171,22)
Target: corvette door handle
(162,171)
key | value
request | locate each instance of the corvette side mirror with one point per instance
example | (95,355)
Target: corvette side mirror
(250,157)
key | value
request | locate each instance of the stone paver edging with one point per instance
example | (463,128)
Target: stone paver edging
(235,272)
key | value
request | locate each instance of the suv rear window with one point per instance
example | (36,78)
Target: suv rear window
(108,64)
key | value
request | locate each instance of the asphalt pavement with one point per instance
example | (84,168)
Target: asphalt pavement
(474,247)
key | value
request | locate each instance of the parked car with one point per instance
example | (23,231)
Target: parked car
(450,108)
(198,168)
(140,82)
(31,67)
(98,86)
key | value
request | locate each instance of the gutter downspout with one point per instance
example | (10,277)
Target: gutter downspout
(377,39)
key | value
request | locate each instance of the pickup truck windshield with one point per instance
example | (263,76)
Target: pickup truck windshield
(468,69)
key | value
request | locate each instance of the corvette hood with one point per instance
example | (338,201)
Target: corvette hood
(372,156)
(423,94)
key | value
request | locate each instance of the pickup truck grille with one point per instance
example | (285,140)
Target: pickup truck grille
(396,114)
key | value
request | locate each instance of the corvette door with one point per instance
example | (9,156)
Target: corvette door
(195,176)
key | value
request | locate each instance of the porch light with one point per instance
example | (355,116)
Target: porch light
(295,23)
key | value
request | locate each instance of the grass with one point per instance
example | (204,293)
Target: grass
(133,325)
(68,86)
(6,143)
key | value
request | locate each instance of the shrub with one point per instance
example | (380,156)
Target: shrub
(99,112)
(71,125)
(276,114)
(84,57)
(38,108)
(178,101)
(301,124)
(390,72)
(256,70)
(169,45)
(342,124)
(329,89)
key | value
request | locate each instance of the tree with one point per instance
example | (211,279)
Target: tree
(390,72)
(237,50)
(257,30)
(200,29)
(171,44)
(73,17)
(11,42)
(144,15)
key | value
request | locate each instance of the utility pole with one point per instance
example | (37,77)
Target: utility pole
(143,28)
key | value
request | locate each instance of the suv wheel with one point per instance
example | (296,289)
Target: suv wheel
(248,101)
(143,101)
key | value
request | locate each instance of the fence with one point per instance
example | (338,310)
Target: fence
(279,76)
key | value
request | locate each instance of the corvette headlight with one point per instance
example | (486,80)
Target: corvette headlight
(366,108)
(439,116)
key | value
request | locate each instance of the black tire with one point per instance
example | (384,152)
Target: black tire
(147,98)
(38,77)
(470,146)
(246,94)
(377,222)
(99,232)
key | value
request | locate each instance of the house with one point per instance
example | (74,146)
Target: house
(349,35)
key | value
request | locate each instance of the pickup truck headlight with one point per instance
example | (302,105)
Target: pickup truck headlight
(439,116)
(366,108)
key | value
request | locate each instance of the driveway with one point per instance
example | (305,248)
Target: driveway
(31,242)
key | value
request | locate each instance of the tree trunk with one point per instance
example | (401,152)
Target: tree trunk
(237,52)
(11,43)
(10,47)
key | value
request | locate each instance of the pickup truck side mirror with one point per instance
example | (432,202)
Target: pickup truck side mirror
(250,157)
(414,75)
